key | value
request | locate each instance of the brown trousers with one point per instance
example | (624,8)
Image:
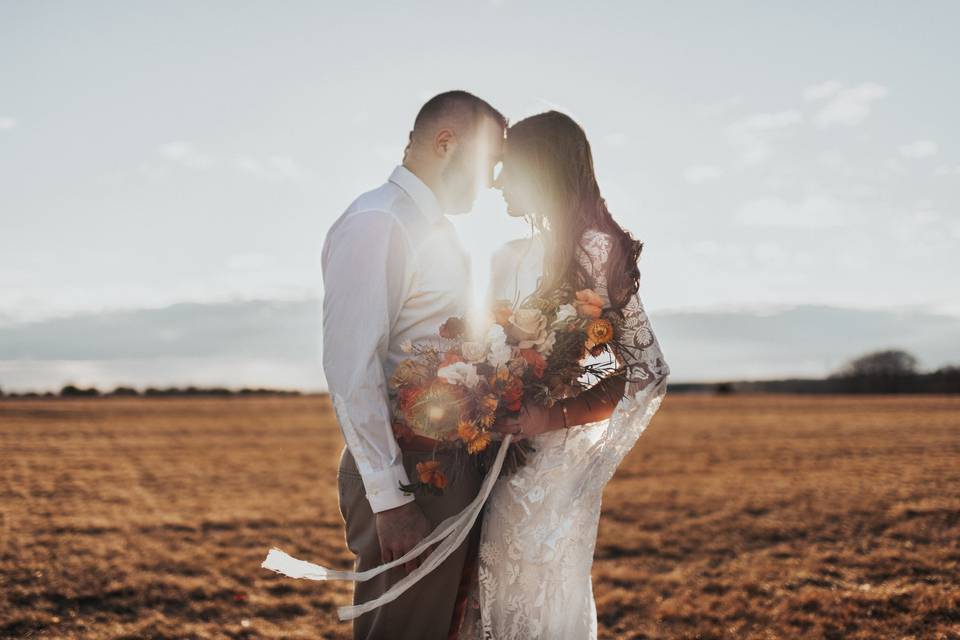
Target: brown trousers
(425,611)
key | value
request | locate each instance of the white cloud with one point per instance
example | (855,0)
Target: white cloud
(947,171)
(850,106)
(701,173)
(919,149)
(813,212)
(6,122)
(186,154)
(821,91)
(751,135)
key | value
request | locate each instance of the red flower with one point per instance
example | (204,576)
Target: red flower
(453,328)
(402,432)
(536,360)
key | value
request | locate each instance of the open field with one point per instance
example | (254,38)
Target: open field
(735,517)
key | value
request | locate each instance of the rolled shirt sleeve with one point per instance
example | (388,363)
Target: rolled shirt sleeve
(367,273)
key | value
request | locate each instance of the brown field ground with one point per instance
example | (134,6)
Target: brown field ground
(735,517)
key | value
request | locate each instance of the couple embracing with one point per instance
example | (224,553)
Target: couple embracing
(499,557)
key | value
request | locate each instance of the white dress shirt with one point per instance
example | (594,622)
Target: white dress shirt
(393,270)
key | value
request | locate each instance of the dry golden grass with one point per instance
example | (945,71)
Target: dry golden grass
(736,517)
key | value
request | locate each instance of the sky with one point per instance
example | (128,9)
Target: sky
(768,154)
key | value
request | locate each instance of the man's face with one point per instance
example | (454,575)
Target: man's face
(472,165)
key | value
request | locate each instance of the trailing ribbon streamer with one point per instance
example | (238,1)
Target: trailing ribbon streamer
(450,534)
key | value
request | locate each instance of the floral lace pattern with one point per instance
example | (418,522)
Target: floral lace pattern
(540,524)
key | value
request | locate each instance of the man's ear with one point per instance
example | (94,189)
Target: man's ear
(444,142)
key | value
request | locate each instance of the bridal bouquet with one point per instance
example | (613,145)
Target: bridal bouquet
(450,393)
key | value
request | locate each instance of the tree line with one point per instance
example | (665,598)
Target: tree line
(879,372)
(73,391)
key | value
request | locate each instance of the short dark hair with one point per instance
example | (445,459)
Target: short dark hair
(458,103)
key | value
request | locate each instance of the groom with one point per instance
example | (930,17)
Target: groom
(393,271)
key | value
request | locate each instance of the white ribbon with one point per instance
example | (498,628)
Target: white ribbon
(450,534)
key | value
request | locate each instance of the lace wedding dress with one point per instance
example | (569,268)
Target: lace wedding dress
(540,524)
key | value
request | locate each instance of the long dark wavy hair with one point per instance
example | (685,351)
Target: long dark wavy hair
(551,151)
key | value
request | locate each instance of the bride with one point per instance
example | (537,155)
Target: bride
(540,524)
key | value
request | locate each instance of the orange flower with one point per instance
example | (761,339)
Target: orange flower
(449,358)
(452,328)
(599,332)
(513,394)
(588,303)
(408,396)
(534,359)
(408,372)
(475,439)
(489,403)
(430,473)
(502,313)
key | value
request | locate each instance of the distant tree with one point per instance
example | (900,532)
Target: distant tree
(723,388)
(124,391)
(892,362)
(74,391)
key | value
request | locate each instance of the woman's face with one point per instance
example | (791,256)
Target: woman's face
(515,185)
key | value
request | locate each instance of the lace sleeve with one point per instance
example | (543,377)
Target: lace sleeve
(636,347)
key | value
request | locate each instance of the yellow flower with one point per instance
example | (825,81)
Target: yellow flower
(475,439)
(489,403)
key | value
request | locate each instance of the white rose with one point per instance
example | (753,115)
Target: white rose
(500,355)
(528,327)
(565,313)
(547,346)
(495,335)
(473,351)
(460,373)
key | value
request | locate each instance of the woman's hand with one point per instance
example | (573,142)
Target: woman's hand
(532,420)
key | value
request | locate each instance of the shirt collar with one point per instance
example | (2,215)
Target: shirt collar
(422,195)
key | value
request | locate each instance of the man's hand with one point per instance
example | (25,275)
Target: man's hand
(400,530)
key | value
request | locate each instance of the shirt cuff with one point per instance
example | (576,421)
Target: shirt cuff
(383,488)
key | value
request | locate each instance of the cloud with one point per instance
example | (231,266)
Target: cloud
(850,106)
(821,91)
(751,135)
(919,149)
(186,154)
(812,212)
(6,122)
(701,173)
(947,171)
